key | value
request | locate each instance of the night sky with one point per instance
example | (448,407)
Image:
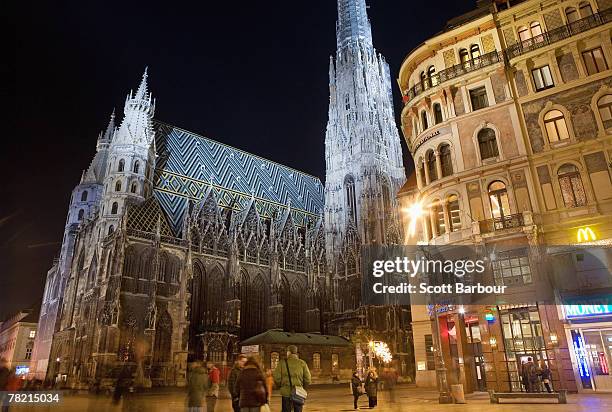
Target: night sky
(252,74)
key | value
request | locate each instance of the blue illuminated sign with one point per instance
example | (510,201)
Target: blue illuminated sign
(577,311)
(22,370)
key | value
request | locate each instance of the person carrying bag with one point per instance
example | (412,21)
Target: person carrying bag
(298,376)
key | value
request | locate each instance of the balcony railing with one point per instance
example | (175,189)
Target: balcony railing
(501,223)
(559,33)
(453,72)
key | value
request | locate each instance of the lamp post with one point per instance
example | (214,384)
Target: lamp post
(445,396)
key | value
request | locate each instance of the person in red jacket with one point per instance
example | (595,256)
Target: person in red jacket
(214,378)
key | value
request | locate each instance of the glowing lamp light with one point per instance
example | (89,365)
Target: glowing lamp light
(585,234)
(414,212)
(461,310)
(493,342)
(489,317)
(382,352)
(554,339)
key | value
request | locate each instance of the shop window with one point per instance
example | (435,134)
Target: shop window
(316,361)
(445,159)
(585,9)
(511,268)
(335,363)
(571,14)
(478,98)
(571,186)
(542,78)
(429,353)
(498,197)
(487,144)
(454,213)
(556,126)
(437,109)
(430,159)
(594,61)
(604,105)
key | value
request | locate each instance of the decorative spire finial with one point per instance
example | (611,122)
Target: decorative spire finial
(141,93)
(353,23)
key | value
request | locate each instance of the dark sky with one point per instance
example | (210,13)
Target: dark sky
(252,74)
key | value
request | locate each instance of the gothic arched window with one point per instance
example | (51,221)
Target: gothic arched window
(84,196)
(111,229)
(114,208)
(556,126)
(351,200)
(430,159)
(121,167)
(81,214)
(487,144)
(134,187)
(572,189)
(498,196)
(437,109)
(136,166)
(118,186)
(445,159)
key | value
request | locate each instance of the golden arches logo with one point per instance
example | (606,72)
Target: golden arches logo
(586,234)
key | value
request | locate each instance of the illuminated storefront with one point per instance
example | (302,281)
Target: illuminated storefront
(589,329)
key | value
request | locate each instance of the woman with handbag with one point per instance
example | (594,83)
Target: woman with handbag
(356,386)
(251,388)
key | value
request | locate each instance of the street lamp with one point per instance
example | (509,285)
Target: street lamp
(445,396)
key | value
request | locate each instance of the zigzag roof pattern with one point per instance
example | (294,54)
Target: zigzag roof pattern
(189,164)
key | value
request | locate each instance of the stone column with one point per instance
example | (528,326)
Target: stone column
(447,225)
(426,170)
(434,227)
(578,59)
(554,66)
(438,164)
(606,46)
(419,177)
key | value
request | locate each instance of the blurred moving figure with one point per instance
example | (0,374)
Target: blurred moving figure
(214,378)
(546,376)
(231,382)
(251,387)
(356,386)
(197,383)
(269,384)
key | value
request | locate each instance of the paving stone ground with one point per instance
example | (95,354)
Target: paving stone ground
(328,399)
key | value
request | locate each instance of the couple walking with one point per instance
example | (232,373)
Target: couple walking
(202,382)
(371,388)
(251,390)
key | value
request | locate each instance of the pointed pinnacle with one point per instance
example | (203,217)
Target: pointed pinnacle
(141,93)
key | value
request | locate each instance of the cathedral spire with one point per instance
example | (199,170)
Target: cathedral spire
(110,129)
(353,24)
(141,93)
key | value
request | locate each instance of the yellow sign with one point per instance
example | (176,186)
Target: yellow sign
(586,234)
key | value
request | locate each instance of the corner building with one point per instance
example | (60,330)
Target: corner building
(506,117)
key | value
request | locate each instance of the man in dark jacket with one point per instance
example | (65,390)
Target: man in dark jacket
(231,382)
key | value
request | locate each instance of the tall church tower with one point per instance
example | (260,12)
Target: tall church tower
(131,158)
(362,144)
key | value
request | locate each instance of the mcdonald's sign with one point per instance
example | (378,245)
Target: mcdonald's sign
(585,234)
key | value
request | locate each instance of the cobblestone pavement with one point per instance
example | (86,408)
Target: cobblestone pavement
(330,399)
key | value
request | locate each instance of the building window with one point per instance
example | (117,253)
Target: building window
(118,186)
(487,144)
(429,353)
(542,78)
(571,186)
(536,30)
(32,334)
(424,120)
(464,56)
(474,51)
(351,200)
(114,208)
(438,214)
(454,213)
(431,76)
(316,361)
(274,360)
(28,353)
(556,127)
(511,268)
(111,229)
(335,363)
(571,14)
(423,80)
(437,109)
(430,159)
(604,105)
(594,61)
(585,9)
(136,166)
(84,196)
(121,165)
(134,187)
(81,214)
(498,196)
(445,159)
(478,97)
(523,33)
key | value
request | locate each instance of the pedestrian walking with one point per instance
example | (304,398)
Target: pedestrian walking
(214,378)
(389,377)
(371,388)
(292,376)
(269,383)
(197,384)
(251,387)
(356,386)
(546,376)
(231,381)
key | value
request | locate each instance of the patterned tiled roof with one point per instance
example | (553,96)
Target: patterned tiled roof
(188,164)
